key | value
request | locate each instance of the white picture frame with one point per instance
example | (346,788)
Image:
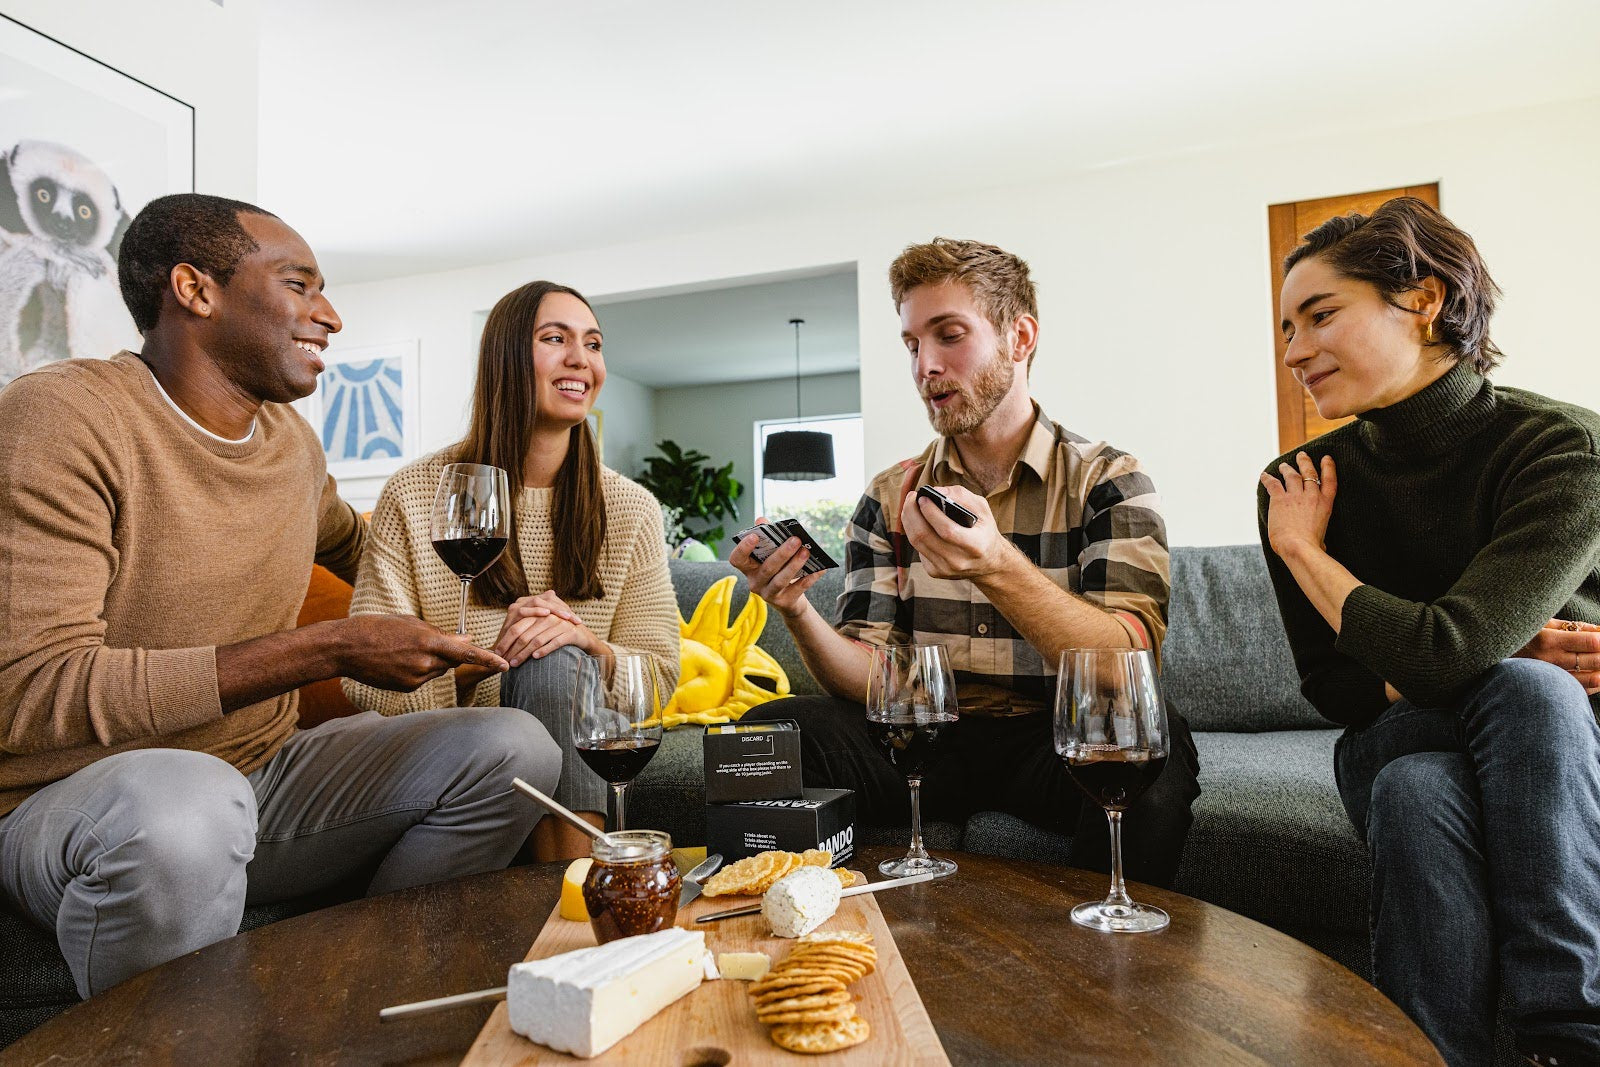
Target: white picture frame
(367,408)
(116,143)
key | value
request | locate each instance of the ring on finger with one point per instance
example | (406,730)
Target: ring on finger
(1309,478)
(1577,658)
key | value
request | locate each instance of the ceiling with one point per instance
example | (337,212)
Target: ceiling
(406,136)
(740,333)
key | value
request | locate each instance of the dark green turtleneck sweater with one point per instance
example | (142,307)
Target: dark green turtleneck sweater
(1472,515)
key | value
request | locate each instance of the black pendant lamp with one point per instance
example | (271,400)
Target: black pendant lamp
(798,455)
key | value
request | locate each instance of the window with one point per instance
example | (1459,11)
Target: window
(823,506)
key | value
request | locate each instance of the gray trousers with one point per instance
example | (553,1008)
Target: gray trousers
(145,855)
(544,688)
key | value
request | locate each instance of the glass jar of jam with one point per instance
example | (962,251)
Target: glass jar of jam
(633,885)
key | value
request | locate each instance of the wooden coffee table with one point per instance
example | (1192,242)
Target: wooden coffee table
(1005,975)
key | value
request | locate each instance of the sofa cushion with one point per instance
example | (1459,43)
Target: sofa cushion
(1226,662)
(1270,839)
(690,581)
(328,597)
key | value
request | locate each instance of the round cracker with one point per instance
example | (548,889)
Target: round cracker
(785,979)
(821,1037)
(813,1015)
(825,937)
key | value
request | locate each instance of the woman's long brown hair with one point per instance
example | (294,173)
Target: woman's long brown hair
(504,410)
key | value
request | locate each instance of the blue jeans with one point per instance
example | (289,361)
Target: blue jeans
(544,688)
(1483,821)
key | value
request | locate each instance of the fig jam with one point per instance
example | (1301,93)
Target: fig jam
(632,888)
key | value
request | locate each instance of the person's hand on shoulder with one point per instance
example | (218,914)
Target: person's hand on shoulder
(774,580)
(1572,646)
(402,652)
(1300,503)
(948,549)
(537,625)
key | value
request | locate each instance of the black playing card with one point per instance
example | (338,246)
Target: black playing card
(774,534)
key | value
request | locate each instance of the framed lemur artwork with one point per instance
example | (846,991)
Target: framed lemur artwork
(83,147)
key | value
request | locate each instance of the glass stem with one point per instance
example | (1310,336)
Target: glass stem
(917,851)
(461,626)
(616,794)
(1119,892)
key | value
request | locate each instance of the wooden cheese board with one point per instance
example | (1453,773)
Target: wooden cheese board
(716,1023)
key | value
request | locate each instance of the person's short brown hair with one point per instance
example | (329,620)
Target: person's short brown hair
(1397,246)
(998,280)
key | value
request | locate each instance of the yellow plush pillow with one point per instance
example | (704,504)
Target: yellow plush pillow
(718,661)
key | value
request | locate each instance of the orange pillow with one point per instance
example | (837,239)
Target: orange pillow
(327,598)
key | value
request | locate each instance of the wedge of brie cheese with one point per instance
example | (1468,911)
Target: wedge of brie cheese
(801,901)
(584,1002)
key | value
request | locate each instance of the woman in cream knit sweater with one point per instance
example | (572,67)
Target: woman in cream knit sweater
(586,568)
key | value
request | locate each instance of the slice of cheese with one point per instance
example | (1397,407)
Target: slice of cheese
(572,906)
(584,1002)
(746,966)
(801,901)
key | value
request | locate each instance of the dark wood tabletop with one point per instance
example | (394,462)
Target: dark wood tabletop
(1005,974)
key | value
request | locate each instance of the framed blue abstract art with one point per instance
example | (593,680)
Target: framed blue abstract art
(366,408)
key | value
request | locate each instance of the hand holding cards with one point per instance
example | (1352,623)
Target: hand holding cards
(774,534)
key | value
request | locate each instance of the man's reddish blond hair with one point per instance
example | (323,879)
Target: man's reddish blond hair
(999,281)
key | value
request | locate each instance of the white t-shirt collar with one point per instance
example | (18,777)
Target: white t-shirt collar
(185,415)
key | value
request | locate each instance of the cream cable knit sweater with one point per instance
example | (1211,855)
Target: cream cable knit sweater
(401,574)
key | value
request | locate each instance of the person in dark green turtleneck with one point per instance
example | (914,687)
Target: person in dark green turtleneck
(1435,563)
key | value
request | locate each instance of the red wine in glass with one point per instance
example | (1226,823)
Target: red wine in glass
(1113,777)
(907,744)
(1110,725)
(471,523)
(617,759)
(911,700)
(469,556)
(616,720)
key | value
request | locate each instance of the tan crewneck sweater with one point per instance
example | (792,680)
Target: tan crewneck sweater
(132,544)
(402,574)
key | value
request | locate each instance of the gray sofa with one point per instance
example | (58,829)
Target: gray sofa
(1270,839)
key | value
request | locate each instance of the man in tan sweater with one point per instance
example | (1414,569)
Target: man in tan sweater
(159,515)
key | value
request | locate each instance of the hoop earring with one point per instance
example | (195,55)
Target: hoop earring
(1427,333)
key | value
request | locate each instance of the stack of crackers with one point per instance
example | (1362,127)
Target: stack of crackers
(757,874)
(804,997)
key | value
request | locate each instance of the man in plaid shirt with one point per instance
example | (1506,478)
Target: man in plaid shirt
(1068,551)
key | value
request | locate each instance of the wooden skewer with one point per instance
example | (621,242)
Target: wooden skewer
(424,1007)
(559,809)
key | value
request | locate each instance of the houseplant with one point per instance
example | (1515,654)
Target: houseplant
(687,482)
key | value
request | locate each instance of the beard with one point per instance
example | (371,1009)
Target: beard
(974,403)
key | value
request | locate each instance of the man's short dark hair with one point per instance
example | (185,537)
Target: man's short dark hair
(192,228)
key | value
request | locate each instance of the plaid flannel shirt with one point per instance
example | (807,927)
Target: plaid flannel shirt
(1084,513)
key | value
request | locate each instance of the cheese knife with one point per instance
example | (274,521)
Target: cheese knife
(691,881)
(870,887)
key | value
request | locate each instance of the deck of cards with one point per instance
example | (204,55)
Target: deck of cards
(774,534)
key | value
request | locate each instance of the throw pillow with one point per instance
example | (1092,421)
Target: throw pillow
(719,662)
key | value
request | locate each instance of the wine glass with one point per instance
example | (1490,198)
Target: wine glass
(911,699)
(616,720)
(1111,729)
(471,522)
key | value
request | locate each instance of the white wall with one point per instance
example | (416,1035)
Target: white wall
(629,416)
(1154,284)
(204,54)
(720,421)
